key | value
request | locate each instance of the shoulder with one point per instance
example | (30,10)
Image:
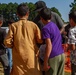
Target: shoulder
(31,23)
(54,14)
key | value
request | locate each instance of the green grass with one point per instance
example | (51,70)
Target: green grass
(67,73)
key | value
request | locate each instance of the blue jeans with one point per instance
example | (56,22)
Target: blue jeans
(9,53)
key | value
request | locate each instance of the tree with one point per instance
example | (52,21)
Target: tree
(32,13)
(9,11)
(73,5)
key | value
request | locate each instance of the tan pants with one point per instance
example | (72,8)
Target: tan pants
(56,65)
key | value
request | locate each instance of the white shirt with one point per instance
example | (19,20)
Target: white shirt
(72,35)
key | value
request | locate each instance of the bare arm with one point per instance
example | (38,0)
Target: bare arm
(47,53)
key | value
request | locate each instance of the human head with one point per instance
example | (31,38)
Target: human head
(22,10)
(72,18)
(1,20)
(39,5)
(10,21)
(45,14)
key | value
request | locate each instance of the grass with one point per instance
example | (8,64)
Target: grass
(67,73)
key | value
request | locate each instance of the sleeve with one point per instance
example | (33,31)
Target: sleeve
(72,38)
(38,35)
(45,33)
(9,38)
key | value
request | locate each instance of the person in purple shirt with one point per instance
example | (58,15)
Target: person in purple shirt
(54,58)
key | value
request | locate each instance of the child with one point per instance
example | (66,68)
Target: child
(3,54)
(41,56)
(72,40)
(54,53)
(22,38)
(9,50)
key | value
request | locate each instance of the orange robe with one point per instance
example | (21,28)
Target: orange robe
(22,38)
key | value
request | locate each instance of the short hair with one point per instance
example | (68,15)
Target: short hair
(72,15)
(1,17)
(45,13)
(22,9)
(10,21)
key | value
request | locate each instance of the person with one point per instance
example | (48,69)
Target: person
(22,38)
(67,27)
(41,56)
(54,18)
(9,50)
(54,53)
(72,40)
(3,54)
(67,50)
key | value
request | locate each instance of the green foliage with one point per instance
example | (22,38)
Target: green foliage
(9,11)
(73,5)
(32,13)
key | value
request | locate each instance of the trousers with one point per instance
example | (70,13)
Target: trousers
(5,64)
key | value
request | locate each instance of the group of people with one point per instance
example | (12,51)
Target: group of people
(37,45)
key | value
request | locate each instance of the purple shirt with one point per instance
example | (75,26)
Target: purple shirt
(51,31)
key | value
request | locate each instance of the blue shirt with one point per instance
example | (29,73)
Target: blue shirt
(51,31)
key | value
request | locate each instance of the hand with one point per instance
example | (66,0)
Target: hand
(46,67)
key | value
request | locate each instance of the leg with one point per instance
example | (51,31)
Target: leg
(4,61)
(54,64)
(61,65)
(9,57)
(41,62)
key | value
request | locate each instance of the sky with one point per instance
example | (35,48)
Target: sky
(61,5)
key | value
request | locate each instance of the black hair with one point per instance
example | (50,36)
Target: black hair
(45,13)
(72,15)
(10,21)
(22,9)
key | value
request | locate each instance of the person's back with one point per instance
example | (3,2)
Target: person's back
(55,37)
(22,38)
(25,36)
(54,18)
(57,20)
(72,40)
(54,53)
(38,22)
